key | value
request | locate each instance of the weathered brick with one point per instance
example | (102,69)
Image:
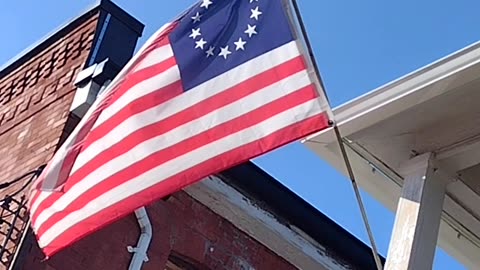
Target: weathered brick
(174,232)
(34,98)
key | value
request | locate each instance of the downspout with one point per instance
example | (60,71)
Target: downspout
(140,252)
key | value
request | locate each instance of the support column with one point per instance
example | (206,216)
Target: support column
(417,220)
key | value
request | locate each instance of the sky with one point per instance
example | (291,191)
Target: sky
(358,45)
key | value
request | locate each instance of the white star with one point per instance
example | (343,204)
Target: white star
(195,33)
(206,3)
(239,44)
(251,1)
(224,52)
(251,30)
(209,52)
(196,18)
(200,43)
(255,13)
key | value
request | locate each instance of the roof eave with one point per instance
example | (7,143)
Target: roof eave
(397,96)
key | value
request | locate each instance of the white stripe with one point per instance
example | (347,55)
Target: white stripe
(220,83)
(139,90)
(188,99)
(51,172)
(52,175)
(166,110)
(180,164)
(156,56)
(43,195)
(168,77)
(131,63)
(174,136)
(199,93)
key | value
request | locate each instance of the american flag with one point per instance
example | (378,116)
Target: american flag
(223,83)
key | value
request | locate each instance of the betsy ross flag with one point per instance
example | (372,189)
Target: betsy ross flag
(223,83)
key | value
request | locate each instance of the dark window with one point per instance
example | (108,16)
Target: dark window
(180,262)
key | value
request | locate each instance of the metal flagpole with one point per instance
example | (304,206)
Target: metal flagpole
(341,145)
(359,197)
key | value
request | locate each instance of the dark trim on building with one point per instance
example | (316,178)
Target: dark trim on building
(291,210)
(134,24)
(115,26)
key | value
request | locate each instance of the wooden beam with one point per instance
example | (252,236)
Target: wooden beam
(461,156)
(417,221)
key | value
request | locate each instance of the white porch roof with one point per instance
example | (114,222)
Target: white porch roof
(434,109)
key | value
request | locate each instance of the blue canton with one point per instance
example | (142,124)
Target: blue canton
(218,35)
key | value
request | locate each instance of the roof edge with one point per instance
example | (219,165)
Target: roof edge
(346,113)
(66,27)
(255,183)
(411,75)
(47,40)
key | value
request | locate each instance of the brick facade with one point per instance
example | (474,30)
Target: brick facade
(183,230)
(35,100)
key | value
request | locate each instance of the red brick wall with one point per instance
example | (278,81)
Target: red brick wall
(34,107)
(181,226)
(35,101)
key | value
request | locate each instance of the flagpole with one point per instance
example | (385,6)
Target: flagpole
(340,140)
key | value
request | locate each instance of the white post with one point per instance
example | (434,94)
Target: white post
(415,232)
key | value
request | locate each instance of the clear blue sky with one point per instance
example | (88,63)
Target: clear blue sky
(359,45)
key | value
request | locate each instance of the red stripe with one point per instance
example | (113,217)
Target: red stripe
(187,177)
(72,152)
(254,84)
(206,106)
(134,78)
(37,187)
(156,159)
(115,94)
(151,100)
(156,97)
(160,41)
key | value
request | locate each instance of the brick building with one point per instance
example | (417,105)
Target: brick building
(239,219)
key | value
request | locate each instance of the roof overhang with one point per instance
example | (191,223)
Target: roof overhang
(272,214)
(434,109)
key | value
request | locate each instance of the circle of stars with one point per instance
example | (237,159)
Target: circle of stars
(225,51)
